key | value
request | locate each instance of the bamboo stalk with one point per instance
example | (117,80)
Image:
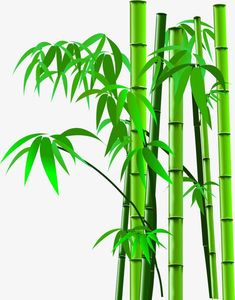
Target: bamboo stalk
(147,275)
(210,250)
(124,226)
(225,172)
(138,85)
(175,245)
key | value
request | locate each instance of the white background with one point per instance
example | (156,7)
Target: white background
(45,240)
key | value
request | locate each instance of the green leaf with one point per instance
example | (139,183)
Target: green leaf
(19,143)
(159,230)
(144,247)
(33,150)
(127,160)
(65,83)
(24,56)
(149,64)
(111,105)
(118,131)
(148,105)
(74,85)
(154,164)
(106,234)
(163,49)
(119,234)
(197,196)
(207,43)
(135,245)
(100,108)
(199,94)
(162,145)
(103,124)
(30,69)
(117,57)
(192,21)
(65,143)
(59,157)
(188,29)
(55,86)
(156,74)
(117,150)
(216,73)
(120,102)
(48,162)
(18,155)
(94,38)
(79,131)
(183,80)
(49,56)
(88,93)
(126,62)
(190,190)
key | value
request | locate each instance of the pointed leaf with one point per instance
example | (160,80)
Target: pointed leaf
(59,157)
(106,234)
(79,131)
(18,155)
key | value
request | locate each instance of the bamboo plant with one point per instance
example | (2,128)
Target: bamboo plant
(225,186)
(97,71)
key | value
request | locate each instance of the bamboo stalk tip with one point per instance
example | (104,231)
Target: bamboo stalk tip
(217,5)
(175,28)
(197,18)
(161,14)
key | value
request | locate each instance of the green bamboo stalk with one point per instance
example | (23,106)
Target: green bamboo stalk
(124,226)
(204,226)
(138,85)
(147,275)
(205,155)
(225,174)
(175,245)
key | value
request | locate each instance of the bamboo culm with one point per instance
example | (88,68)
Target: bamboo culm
(225,172)
(175,244)
(124,226)
(147,275)
(208,205)
(138,85)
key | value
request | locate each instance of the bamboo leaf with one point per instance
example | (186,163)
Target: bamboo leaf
(108,69)
(162,145)
(135,245)
(111,105)
(103,124)
(33,150)
(30,69)
(79,131)
(62,140)
(184,78)
(120,102)
(154,164)
(55,86)
(49,56)
(48,162)
(188,29)
(140,166)
(65,83)
(216,73)
(106,234)
(148,105)
(100,108)
(117,150)
(199,94)
(163,49)
(149,64)
(24,56)
(192,21)
(59,157)
(119,234)
(144,247)
(117,57)
(94,38)
(19,143)
(126,62)
(190,190)
(127,160)
(74,85)
(88,93)
(207,43)
(18,155)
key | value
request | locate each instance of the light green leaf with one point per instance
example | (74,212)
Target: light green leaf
(216,73)
(19,143)
(144,247)
(33,150)
(127,160)
(126,62)
(24,56)
(162,145)
(88,93)
(103,124)
(94,38)
(148,105)
(30,69)
(106,234)
(58,156)
(48,162)
(120,102)
(183,80)
(18,155)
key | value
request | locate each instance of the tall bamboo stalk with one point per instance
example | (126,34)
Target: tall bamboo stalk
(225,174)
(138,85)
(124,226)
(147,275)
(206,177)
(175,246)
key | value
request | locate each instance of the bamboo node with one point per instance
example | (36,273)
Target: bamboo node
(175,218)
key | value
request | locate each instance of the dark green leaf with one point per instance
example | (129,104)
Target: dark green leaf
(117,57)
(207,43)
(162,145)
(126,62)
(103,124)
(111,105)
(49,56)
(100,108)
(154,164)
(127,160)
(24,56)
(88,93)
(141,166)
(183,80)
(216,73)
(120,102)
(30,69)
(74,85)
(94,38)
(79,131)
